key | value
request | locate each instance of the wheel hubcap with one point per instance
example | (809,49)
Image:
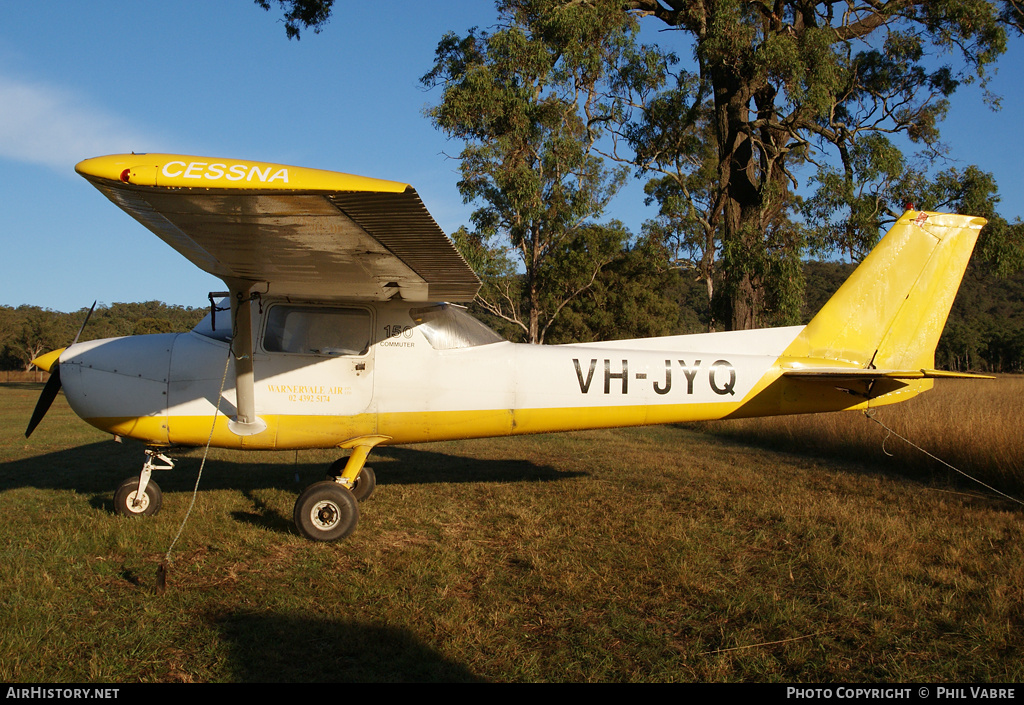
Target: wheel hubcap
(325,515)
(136,503)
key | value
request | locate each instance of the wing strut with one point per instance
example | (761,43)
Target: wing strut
(246,422)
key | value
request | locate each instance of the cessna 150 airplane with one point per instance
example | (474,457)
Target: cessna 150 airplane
(341,335)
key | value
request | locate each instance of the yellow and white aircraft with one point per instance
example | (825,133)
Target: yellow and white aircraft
(341,335)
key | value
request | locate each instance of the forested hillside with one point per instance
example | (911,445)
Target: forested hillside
(984,333)
(27,331)
(985,330)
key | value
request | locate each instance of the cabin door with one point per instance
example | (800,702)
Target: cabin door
(315,361)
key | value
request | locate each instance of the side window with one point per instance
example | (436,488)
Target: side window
(312,330)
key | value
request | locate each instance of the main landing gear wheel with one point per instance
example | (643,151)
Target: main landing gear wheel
(127,501)
(326,511)
(366,480)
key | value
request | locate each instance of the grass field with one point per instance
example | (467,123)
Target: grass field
(733,552)
(973,426)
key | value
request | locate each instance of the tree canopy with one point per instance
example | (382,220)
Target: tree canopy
(518,99)
(840,87)
(299,14)
(766,130)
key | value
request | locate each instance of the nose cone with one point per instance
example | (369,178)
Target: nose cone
(46,362)
(119,385)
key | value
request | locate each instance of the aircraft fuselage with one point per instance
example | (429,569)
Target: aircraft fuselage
(328,373)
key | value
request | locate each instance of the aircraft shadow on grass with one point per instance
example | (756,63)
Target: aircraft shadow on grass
(302,649)
(97,468)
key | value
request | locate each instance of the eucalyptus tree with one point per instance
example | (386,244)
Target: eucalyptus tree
(521,98)
(844,86)
(300,14)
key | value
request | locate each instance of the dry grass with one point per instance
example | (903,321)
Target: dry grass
(974,425)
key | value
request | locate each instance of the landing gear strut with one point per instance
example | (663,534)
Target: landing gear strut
(329,510)
(364,484)
(140,496)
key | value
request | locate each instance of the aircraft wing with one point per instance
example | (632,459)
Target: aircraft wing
(298,232)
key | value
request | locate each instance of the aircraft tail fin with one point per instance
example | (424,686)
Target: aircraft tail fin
(891,311)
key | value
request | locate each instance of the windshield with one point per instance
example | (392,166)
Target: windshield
(449,327)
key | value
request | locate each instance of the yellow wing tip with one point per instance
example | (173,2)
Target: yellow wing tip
(186,171)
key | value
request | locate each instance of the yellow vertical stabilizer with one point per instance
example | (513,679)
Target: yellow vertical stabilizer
(891,311)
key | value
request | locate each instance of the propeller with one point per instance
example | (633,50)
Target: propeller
(51,363)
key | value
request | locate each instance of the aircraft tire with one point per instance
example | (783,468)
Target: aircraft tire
(326,511)
(124,498)
(366,480)
(366,483)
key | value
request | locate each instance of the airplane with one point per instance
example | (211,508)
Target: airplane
(344,332)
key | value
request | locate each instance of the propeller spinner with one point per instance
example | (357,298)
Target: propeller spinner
(51,363)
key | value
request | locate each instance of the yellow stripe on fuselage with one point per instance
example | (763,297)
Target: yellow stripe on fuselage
(774,395)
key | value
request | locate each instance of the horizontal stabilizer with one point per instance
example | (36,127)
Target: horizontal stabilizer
(832,374)
(870,383)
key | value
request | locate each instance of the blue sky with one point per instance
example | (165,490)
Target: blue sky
(79,80)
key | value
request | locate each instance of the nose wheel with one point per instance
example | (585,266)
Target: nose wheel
(140,496)
(129,502)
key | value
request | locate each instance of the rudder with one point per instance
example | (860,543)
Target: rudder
(891,311)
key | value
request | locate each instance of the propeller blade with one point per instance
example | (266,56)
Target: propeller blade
(86,321)
(46,398)
(51,362)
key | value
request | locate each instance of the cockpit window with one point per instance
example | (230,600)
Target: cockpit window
(222,318)
(449,327)
(313,330)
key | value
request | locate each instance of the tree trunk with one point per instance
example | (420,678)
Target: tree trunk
(740,300)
